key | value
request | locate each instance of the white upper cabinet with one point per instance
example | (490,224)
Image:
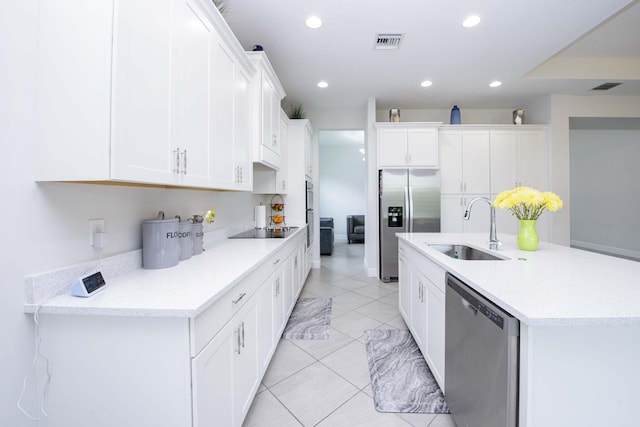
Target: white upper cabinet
(231,131)
(142,80)
(518,158)
(267,180)
(143,144)
(268,92)
(407,145)
(464,161)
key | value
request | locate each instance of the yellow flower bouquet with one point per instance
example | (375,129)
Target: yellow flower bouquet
(527,203)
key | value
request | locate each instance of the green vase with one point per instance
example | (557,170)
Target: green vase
(527,236)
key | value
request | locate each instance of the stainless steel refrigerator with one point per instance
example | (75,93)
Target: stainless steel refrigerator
(409,202)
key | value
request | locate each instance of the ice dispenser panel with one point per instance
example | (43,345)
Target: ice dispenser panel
(395,216)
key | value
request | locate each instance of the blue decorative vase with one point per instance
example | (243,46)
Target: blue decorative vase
(455,115)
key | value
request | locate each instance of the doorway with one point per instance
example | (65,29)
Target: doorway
(342,177)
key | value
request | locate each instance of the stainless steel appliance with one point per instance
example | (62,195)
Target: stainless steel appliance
(481,359)
(409,202)
(309,211)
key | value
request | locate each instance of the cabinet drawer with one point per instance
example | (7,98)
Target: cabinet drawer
(428,268)
(205,327)
(209,323)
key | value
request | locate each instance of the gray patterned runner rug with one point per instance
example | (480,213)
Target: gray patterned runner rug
(309,320)
(400,377)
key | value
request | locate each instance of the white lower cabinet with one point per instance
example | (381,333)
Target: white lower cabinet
(199,371)
(225,373)
(452,208)
(419,308)
(422,304)
(435,332)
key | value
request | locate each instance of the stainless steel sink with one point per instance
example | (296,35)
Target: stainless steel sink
(467,253)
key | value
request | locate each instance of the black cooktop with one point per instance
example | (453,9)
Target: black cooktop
(266,233)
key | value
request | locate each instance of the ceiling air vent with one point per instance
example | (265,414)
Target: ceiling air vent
(388,41)
(606,86)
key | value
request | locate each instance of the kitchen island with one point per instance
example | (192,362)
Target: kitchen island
(579,316)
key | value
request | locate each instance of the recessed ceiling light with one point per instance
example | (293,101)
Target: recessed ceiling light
(426,83)
(471,21)
(495,83)
(323,84)
(313,22)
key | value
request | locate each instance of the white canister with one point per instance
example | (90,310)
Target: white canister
(185,239)
(160,247)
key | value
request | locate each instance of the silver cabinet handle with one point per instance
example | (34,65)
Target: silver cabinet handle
(177,165)
(237,300)
(238,340)
(184,157)
(276,261)
(242,329)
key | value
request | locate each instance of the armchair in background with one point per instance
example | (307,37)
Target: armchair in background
(326,236)
(355,228)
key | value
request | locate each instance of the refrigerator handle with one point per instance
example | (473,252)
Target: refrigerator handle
(408,202)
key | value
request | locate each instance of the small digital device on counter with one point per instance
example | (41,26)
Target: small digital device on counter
(89,284)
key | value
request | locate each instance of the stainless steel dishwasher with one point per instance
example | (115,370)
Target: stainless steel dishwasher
(481,359)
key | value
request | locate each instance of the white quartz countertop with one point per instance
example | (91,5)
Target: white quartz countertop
(185,290)
(555,285)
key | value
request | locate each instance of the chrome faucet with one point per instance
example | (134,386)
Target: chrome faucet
(493,238)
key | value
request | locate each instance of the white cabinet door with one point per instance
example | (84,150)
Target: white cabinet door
(192,58)
(143,115)
(213,381)
(225,372)
(435,332)
(450,153)
(267,94)
(404,287)
(277,280)
(419,308)
(282,175)
(532,159)
(269,135)
(242,130)
(288,288)
(309,152)
(476,172)
(422,148)
(73,88)
(464,161)
(407,147)
(225,173)
(452,208)
(392,147)
(504,155)
(518,158)
(266,342)
(245,365)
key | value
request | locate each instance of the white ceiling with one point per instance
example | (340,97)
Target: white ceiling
(535,48)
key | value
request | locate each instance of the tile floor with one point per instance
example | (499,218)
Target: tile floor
(326,382)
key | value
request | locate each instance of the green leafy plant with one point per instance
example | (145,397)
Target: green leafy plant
(221,5)
(297,112)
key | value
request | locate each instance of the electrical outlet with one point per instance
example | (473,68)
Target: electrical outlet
(95,226)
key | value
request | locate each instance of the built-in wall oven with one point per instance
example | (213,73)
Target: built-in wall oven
(309,210)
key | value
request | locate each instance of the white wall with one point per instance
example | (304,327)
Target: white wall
(604,185)
(563,107)
(46,224)
(342,182)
